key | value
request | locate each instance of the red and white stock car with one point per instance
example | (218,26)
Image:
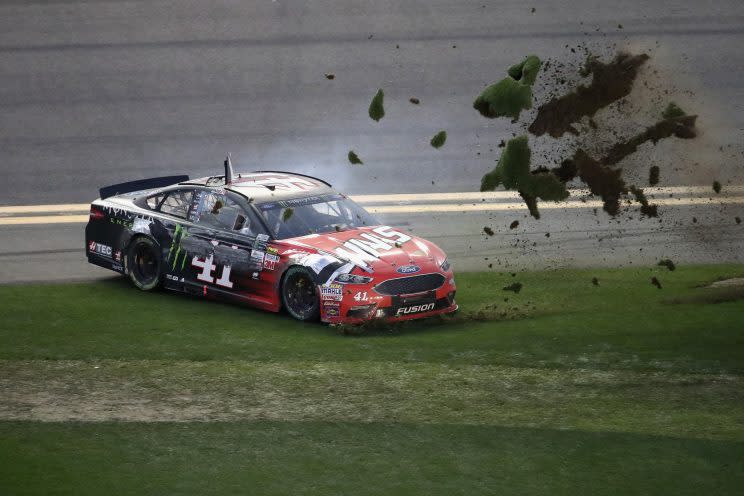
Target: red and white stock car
(272,240)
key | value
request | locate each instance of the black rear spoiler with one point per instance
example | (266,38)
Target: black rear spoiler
(153,182)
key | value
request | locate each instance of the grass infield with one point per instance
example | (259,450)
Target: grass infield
(565,387)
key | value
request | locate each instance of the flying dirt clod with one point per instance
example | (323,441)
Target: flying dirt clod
(516,287)
(668,264)
(610,83)
(354,158)
(653,175)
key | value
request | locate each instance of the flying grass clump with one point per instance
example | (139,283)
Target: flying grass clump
(354,158)
(672,111)
(716,187)
(526,71)
(376,107)
(511,95)
(438,140)
(513,172)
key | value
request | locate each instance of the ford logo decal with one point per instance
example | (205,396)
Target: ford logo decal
(408,269)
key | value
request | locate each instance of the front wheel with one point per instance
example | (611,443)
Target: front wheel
(143,264)
(300,294)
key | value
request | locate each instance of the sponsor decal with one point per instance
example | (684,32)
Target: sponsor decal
(408,269)
(117,267)
(261,242)
(121,222)
(100,249)
(318,262)
(141,224)
(272,250)
(332,291)
(332,308)
(175,248)
(257,256)
(415,309)
(270,261)
(369,247)
(283,182)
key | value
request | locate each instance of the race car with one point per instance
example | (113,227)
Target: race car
(272,240)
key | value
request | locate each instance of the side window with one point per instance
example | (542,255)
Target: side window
(177,203)
(218,211)
(154,201)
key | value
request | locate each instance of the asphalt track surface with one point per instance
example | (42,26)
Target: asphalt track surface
(98,92)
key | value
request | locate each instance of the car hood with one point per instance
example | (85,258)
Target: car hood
(379,248)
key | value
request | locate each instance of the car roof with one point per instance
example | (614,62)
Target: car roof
(269,185)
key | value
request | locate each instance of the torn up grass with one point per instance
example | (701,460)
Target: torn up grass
(181,395)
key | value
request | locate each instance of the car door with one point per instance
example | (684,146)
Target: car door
(224,246)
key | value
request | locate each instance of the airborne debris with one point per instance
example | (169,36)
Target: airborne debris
(376,107)
(511,95)
(514,224)
(738,220)
(653,175)
(488,230)
(288,212)
(646,209)
(516,287)
(655,282)
(682,126)
(716,186)
(414,101)
(595,281)
(671,111)
(438,140)
(513,171)
(354,158)
(610,82)
(330,76)
(667,263)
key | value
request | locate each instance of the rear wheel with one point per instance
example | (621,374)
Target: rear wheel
(300,294)
(144,264)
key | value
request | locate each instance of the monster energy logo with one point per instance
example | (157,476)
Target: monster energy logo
(175,247)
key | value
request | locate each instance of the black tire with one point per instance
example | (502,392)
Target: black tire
(300,294)
(144,263)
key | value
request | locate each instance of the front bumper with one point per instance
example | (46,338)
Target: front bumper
(356,304)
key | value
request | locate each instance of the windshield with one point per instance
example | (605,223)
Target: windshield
(314,214)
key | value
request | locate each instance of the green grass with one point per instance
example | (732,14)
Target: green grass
(565,387)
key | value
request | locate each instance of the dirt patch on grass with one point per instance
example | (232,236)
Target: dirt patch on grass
(157,391)
(712,295)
